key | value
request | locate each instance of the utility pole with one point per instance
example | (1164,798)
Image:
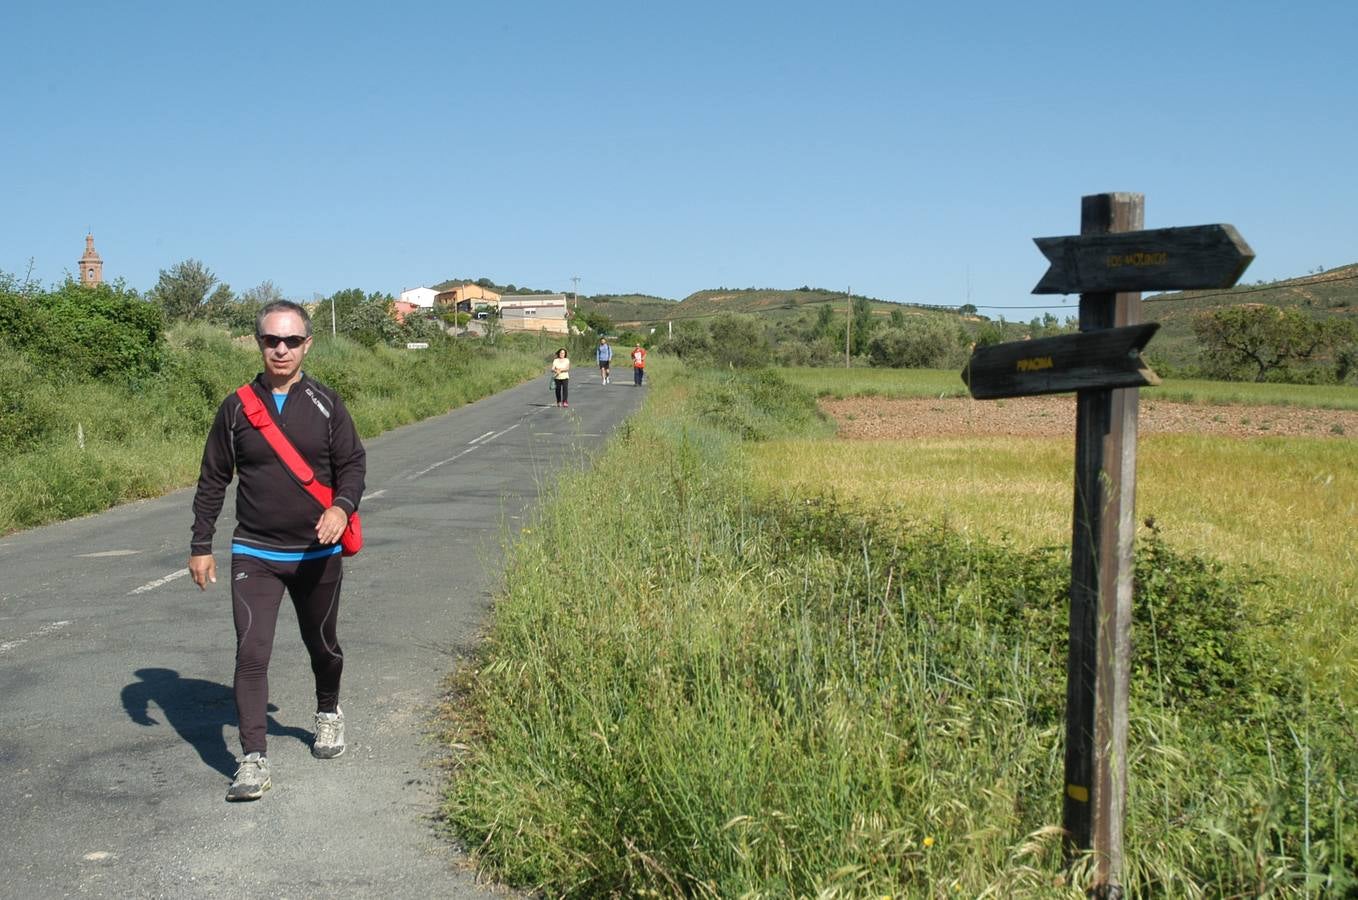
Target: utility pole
(317,298)
(575,294)
(848,324)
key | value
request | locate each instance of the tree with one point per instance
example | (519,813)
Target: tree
(897,318)
(967,309)
(343,302)
(182,290)
(926,342)
(262,294)
(825,321)
(217,308)
(597,322)
(371,322)
(1264,338)
(739,342)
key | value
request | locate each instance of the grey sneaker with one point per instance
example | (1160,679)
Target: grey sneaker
(252,779)
(329,741)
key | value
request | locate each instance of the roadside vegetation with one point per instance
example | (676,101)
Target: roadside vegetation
(733,685)
(100,405)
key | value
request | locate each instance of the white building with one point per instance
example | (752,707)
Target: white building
(420,296)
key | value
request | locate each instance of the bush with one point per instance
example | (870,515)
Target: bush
(105,332)
(925,343)
(754,406)
(28,412)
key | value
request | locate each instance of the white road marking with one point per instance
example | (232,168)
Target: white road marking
(479,442)
(44,631)
(372,495)
(442,462)
(152,585)
(107,553)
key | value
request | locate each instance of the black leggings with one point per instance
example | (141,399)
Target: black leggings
(563,386)
(256,593)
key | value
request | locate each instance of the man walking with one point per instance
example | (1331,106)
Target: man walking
(638,364)
(604,354)
(283,539)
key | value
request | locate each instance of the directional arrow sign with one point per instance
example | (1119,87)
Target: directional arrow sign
(1164,259)
(1070,362)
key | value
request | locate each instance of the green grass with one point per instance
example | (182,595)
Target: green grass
(718,693)
(839,383)
(1245,393)
(71,449)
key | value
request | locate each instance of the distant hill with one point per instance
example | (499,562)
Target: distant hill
(1330,293)
(629,310)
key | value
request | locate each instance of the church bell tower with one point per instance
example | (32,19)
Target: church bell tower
(91,266)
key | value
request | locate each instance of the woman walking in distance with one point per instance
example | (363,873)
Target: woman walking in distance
(561,377)
(283,539)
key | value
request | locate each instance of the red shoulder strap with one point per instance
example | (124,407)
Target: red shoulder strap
(259,417)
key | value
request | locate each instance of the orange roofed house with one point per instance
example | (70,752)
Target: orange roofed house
(465,296)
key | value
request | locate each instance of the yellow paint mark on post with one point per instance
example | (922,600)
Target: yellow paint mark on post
(1078,792)
(1035,364)
(1137,260)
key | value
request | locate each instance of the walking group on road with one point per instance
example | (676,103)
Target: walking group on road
(284,539)
(560,369)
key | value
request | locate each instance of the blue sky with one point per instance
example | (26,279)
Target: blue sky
(908,150)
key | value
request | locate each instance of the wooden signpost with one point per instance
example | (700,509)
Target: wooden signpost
(1109,263)
(1055,365)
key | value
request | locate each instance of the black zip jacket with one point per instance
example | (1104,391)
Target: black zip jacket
(273,510)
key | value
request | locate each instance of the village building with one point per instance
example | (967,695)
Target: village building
(91,267)
(420,296)
(466,296)
(402,308)
(534,312)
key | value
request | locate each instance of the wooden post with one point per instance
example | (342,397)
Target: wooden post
(848,325)
(1101,579)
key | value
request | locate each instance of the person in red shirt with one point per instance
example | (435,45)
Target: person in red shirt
(638,364)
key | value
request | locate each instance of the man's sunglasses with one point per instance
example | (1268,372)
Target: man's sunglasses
(292,341)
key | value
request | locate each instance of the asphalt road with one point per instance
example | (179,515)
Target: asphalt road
(117,726)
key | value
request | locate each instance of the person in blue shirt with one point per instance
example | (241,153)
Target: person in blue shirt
(604,354)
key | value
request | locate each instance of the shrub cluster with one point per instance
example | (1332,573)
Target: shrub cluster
(106,332)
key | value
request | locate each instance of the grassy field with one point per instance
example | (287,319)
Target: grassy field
(905,383)
(1275,504)
(720,691)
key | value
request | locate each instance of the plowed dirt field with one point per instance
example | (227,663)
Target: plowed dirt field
(875,418)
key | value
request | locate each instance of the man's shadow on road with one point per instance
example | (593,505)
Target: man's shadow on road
(199,710)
